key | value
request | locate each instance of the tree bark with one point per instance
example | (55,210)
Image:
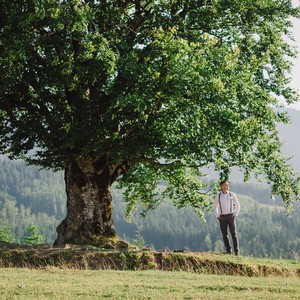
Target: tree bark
(89,202)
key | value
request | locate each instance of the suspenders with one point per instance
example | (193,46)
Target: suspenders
(220,204)
(231,203)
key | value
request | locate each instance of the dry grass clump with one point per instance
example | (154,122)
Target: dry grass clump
(120,256)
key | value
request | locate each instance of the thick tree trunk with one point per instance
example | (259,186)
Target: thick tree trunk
(89,202)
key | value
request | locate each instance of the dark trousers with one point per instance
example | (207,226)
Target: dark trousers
(225,222)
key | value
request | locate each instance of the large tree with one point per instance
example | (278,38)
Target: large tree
(142,91)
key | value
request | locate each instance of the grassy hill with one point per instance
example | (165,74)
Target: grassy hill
(118,255)
(90,273)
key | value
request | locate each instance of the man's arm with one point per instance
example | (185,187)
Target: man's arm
(237,205)
(216,207)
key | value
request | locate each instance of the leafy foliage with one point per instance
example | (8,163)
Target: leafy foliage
(161,87)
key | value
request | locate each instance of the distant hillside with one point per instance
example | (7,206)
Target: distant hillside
(31,197)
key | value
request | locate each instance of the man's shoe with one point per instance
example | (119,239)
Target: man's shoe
(237,253)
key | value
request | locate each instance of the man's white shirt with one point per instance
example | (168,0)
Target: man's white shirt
(229,204)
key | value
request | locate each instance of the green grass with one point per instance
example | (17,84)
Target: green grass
(52,273)
(55,283)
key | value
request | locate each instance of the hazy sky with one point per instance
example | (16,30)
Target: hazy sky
(296,68)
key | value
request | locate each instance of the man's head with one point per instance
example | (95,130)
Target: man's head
(224,186)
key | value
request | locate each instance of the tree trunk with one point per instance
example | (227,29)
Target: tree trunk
(89,202)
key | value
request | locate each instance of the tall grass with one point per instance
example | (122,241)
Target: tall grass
(55,283)
(97,259)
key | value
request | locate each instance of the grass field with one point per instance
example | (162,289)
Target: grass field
(55,283)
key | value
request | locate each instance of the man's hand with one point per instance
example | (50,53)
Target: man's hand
(219,218)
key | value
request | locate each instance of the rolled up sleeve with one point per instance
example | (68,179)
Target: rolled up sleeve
(237,205)
(216,207)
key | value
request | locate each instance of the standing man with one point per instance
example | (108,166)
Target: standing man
(227,208)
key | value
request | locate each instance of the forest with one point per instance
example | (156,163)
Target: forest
(33,197)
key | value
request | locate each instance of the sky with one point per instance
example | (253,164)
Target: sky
(295,76)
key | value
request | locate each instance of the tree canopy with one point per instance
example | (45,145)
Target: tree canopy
(161,88)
